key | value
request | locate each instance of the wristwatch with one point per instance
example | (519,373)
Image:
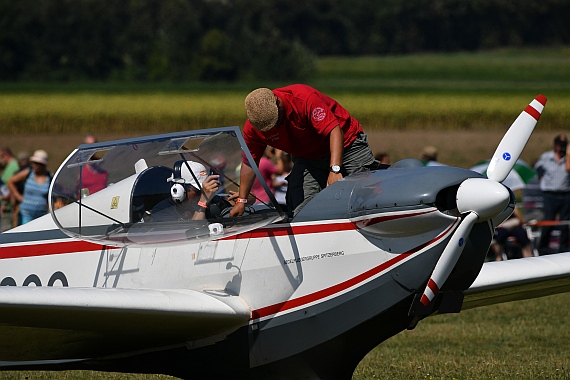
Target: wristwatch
(335,168)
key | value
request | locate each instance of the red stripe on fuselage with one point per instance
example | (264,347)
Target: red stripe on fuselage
(319,295)
(31,250)
(294,230)
(379,219)
(43,249)
(320,228)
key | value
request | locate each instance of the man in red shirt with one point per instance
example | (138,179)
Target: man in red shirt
(325,141)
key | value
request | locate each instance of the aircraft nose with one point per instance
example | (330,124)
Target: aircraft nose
(484,197)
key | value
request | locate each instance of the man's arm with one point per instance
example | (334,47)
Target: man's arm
(336,146)
(247,177)
(209,188)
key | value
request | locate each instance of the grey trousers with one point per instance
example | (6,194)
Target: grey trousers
(309,176)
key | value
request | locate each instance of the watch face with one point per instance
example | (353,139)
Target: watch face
(335,169)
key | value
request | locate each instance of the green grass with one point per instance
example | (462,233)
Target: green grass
(504,71)
(517,340)
(453,91)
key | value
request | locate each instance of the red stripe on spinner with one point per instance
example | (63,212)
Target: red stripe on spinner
(541,99)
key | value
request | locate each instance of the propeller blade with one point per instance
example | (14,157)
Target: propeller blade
(448,258)
(479,199)
(514,141)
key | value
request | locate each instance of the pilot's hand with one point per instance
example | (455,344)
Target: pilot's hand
(238,209)
(333,177)
(211,185)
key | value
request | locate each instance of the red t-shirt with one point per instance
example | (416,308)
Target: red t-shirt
(310,118)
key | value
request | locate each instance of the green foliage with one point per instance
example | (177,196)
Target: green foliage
(66,40)
(216,61)
(516,340)
(182,40)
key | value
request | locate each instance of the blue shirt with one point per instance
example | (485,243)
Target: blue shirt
(35,196)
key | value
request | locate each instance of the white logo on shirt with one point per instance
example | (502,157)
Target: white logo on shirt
(319,114)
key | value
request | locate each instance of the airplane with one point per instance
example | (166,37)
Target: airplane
(98,285)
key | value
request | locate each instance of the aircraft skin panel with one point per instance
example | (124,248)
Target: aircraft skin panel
(255,269)
(520,279)
(134,318)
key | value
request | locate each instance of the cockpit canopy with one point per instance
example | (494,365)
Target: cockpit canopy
(106,192)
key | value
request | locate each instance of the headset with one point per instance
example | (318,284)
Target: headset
(179,183)
(177,192)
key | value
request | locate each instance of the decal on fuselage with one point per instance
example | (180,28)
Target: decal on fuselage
(34,280)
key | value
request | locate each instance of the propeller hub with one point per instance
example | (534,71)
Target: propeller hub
(484,197)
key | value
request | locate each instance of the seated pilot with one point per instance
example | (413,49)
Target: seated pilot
(190,194)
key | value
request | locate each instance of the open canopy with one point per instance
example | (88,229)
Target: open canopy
(105,192)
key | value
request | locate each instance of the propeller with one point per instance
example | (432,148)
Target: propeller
(481,199)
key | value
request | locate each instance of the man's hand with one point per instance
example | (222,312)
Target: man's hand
(238,209)
(333,177)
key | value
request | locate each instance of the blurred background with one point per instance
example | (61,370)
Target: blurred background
(223,40)
(452,74)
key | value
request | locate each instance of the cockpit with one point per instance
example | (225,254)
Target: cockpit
(107,192)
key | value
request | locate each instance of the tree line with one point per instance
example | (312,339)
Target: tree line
(180,40)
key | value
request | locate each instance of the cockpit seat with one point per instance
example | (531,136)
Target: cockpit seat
(149,188)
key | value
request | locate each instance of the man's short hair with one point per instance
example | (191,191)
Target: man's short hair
(261,108)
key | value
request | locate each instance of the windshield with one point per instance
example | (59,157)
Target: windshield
(114,192)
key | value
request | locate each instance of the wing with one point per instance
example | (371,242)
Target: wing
(49,323)
(520,279)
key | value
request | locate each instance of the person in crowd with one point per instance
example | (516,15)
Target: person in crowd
(325,141)
(513,226)
(553,168)
(284,166)
(189,199)
(428,156)
(11,166)
(34,199)
(268,171)
(383,158)
(24,163)
(89,139)
(93,178)
(10,163)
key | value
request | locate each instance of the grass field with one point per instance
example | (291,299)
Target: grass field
(450,92)
(461,103)
(526,340)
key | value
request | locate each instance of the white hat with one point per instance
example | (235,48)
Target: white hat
(40,157)
(186,172)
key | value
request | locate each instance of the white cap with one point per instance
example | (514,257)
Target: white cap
(183,175)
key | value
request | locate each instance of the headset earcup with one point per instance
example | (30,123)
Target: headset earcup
(177,192)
